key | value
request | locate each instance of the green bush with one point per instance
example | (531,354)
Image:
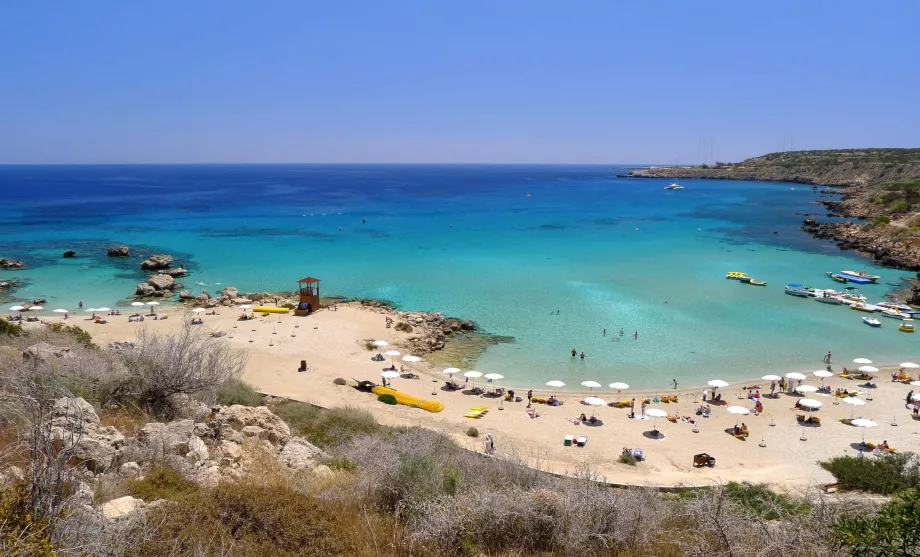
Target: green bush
(451,478)
(9,329)
(76,333)
(161,482)
(326,428)
(237,391)
(388,399)
(762,501)
(342,463)
(884,475)
(882,220)
(628,458)
(899,207)
(404,327)
(20,532)
(472,432)
(892,531)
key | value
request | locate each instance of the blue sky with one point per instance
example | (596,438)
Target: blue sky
(534,81)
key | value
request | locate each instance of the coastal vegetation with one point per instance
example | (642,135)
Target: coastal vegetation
(885,475)
(375,490)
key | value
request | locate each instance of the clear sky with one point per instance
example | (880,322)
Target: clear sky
(452,81)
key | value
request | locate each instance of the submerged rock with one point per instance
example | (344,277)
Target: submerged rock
(10,263)
(70,253)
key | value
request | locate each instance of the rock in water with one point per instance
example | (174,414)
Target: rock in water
(119,251)
(70,253)
(186,295)
(175,273)
(158,261)
(10,264)
(230,292)
(161,281)
(144,289)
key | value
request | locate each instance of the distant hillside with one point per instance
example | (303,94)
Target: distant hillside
(878,184)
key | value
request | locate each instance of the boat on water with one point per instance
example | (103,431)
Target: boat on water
(826,297)
(863,306)
(907,326)
(893,313)
(737,275)
(860,275)
(796,289)
(872,322)
(674,187)
(852,293)
(835,276)
(895,305)
(756,282)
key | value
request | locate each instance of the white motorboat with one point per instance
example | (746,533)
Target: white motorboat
(796,289)
(826,297)
(853,294)
(862,306)
(893,313)
(872,322)
(896,306)
(860,275)
(674,187)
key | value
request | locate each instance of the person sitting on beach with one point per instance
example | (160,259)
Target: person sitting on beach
(743,427)
(583,418)
(551,400)
(532,413)
(845,371)
(758,408)
(736,430)
(884,446)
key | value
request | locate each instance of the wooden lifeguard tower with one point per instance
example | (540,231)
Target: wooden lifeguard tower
(309,296)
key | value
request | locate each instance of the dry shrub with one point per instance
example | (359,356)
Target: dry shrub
(126,419)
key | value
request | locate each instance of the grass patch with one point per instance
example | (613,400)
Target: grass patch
(237,391)
(127,420)
(326,428)
(8,329)
(628,458)
(161,482)
(388,399)
(472,432)
(882,220)
(762,501)
(76,333)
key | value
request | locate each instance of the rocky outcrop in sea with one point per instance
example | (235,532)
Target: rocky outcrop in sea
(119,251)
(10,263)
(157,262)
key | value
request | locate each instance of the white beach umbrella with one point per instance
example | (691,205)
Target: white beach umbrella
(245,306)
(863,423)
(854,402)
(411,359)
(655,413)
(451,371)
(138,304)
(17,308)
(151,304)
(771,377)
(378,343)
(739,411)
(199,310)
(472,375)
(868,369)
(717,383)
(87,310)
(36,308)
(555,384)
(806,389)
(494,376)
(103,309)
(910,365)
(392,353)
(390,374)
(619,386)
(796,375)
(822,373)
(862,361)
(811,403)
(591,385)
(61,311)
(594,402)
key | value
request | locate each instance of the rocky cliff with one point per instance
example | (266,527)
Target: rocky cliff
(878,184)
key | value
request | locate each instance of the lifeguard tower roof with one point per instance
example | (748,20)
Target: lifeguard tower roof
(308,279)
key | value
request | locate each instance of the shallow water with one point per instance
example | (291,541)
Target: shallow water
(469,241)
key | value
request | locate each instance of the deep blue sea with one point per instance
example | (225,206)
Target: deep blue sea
(505,245)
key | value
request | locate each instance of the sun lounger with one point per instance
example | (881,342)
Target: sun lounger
(568,440)
(582,440)
(479,409)
(472,414)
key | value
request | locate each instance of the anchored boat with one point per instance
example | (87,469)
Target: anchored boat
(863,306)
(826,297)
(907,326)
(860,276)
(796,289)
(834,276)
(737,275)
(872,322)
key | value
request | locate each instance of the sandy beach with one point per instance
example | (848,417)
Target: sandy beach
(779,450)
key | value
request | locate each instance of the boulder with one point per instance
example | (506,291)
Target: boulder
(157,439)
(10,264)
(230,292)
(76,425)
(299,454)
(234,418)
(467,325)
(175,273)
(161,281)
(130,470)
(119,251)
(122,507)
(198,453)
(43,352)
(158,261)
(145,290)
(70,253)
(186,295)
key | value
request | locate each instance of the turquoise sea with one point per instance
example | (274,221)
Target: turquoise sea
(550,255)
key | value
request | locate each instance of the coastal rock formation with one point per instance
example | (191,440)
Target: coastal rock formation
(299,454)
(161,281)
(10,263)
(865,238)
(186,295)
(230,292)
(176,273)
(119,251)
(75,424)
(156,262)
(44,352)
(262,423)
(144,290)
(70,253)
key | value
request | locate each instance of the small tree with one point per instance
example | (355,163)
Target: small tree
(188,362)
(895,530)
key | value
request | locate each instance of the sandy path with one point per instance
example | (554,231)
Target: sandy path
(332,342)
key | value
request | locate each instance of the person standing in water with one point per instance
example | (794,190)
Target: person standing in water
(621,331)
(827,358)
(675,383)
(636,335)
(582,355)
(605,332)
(574,352)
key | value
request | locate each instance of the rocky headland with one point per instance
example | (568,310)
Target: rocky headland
(878,187)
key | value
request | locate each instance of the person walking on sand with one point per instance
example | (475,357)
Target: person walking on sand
(529,397)
(643,408)
(910,397)
(827,357)
(490,444)
(675,383)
